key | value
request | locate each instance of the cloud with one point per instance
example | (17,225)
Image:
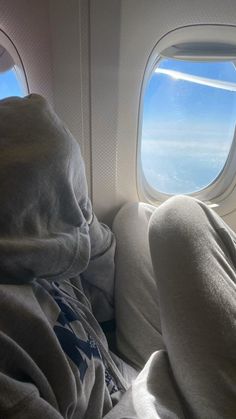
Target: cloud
(192,148)
(188,134)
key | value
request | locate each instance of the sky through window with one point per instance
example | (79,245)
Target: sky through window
(9,84)
(189,117)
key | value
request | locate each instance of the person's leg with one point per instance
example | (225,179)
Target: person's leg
(194,258)
(136,297)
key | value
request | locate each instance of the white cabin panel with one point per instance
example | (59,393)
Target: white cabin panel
(27,24)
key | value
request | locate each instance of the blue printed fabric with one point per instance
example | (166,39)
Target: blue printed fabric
(80,351)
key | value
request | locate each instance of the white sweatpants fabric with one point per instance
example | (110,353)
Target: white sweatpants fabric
(136,292)
(178,301)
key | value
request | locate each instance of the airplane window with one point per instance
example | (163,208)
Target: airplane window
(10,83)
(188,124)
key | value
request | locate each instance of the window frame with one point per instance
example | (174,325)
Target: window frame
(190,36)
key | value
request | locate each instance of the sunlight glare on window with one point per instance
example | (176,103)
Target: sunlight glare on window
(189,116)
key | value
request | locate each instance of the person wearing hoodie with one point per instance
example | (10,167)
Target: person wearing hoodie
(57,276)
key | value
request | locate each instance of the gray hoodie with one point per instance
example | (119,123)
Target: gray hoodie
(56,274)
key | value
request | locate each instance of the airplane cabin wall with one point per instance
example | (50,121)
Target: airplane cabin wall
(88,58)
(27,24)
(141,25)
(70,27)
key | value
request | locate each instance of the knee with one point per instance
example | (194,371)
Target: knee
(178,220)
(175,212)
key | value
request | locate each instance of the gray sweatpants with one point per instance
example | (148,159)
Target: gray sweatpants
(180,296)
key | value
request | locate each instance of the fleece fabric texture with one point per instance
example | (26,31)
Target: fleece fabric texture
(193,253)
(54,357)
(45,209)
(136,290)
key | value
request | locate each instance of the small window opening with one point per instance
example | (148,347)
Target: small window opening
(10,77)
(188,124)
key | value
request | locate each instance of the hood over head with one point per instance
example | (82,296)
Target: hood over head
(44,204)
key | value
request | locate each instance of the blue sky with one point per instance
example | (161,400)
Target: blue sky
(187,127)
(9,84)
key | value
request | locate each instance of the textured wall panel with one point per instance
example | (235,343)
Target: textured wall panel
(84,24)
(27,24)
(105,44)
(71,83)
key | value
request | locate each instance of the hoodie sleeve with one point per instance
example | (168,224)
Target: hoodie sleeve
(21,400)
(98,279)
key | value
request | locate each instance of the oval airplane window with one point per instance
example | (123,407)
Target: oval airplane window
(12,80)
(188,124)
